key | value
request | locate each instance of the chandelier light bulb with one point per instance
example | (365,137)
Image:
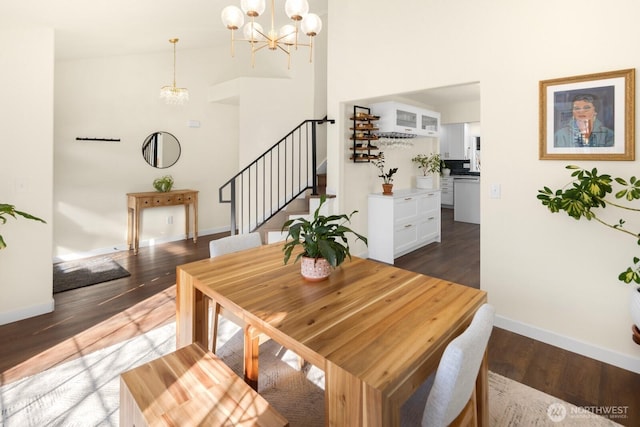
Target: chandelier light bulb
(232,17)
(287,34)
(296,9)
(253,8)
(311,24)
(252,32)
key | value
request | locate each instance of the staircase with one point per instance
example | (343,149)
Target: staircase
(280,183)
(303,206)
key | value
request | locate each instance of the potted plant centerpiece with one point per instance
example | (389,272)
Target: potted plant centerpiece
(431,164)
(10,210)
(387,186)
(323,241)
(582,197)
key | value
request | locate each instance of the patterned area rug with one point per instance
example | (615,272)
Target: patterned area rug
(85,272)
(85,392)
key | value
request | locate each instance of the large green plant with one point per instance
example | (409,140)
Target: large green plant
(10,210)
(590,191)
(323,237)
(429,164)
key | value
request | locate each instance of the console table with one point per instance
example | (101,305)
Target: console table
(136,202)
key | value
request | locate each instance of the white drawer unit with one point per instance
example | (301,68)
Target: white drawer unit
(403,222)
(446,189)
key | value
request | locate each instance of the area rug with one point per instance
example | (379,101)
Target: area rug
(85,391)
(85,272)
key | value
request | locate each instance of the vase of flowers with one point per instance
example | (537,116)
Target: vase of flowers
(387,177)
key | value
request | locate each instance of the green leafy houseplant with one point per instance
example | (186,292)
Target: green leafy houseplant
(10,210)
(429,164)
(163,184)
(322,237)
(590,191)
(379,163)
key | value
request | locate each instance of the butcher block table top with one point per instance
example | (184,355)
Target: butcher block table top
(377,331)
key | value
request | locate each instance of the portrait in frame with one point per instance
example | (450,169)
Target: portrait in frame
(589,117)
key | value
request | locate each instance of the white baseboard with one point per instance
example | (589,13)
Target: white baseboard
(142,243)
(567,343)
(26,312)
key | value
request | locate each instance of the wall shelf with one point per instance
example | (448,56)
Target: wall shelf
(362,134)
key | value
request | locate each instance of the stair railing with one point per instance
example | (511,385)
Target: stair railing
(273,180)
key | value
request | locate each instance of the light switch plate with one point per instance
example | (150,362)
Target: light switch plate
(495,191)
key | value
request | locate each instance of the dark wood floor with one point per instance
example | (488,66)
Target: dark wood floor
(91,318)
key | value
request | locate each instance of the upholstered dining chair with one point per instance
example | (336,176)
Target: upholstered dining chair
(227,245)
(452,399)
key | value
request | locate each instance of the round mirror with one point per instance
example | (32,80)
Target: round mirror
(161,150)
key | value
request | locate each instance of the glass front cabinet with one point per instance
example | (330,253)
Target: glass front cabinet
(397,118)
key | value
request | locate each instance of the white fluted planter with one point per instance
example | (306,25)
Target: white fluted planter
(425,182)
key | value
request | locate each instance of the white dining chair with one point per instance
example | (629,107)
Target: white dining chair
(452,399)
(235,243)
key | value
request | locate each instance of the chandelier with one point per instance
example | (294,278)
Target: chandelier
(282,39)
(172,94)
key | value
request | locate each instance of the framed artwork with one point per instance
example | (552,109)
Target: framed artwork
(590,117)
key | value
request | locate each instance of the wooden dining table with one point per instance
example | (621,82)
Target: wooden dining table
(377,331)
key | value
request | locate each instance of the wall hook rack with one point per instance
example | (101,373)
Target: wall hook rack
(98,139)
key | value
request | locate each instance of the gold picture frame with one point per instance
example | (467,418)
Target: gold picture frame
(588,117)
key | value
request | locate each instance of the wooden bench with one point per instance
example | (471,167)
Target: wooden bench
(191,387)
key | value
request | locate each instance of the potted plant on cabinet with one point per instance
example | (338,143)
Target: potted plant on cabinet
(431,164)
(582,197)
(387,186)
(323,241)
(10,210)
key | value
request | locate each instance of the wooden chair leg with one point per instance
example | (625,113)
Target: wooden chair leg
(251,356)
(215,320)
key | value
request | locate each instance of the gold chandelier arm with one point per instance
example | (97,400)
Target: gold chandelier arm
(288,55)
(233,50)
(255,49)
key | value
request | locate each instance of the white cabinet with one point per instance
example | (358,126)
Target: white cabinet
(446,191)
(429,123)
(403,222)
(398,119)
(453,141)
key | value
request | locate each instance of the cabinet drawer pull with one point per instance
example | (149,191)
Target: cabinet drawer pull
(408,226)
(408,198)
(431,218)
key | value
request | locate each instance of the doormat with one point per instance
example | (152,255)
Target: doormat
(85,272)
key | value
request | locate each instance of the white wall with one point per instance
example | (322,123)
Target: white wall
(117,97)
(508,47)
(26,170)
(82,197)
